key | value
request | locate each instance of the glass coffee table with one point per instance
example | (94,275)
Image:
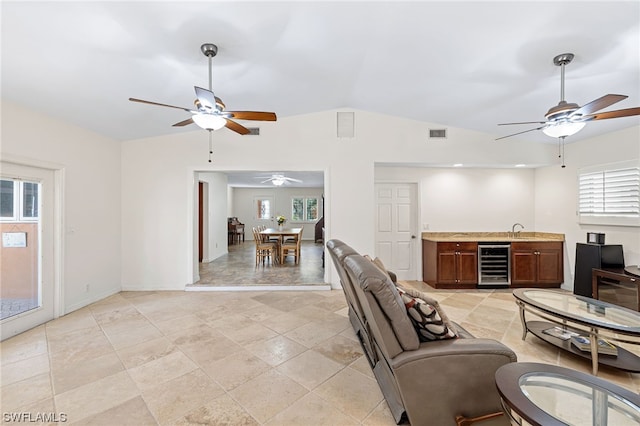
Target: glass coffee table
(567,314)
(548,395)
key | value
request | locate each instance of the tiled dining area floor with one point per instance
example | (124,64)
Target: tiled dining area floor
(238,268)
(229,358)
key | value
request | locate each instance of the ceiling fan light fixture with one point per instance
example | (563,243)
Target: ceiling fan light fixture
(278,181)
(209,121)
(561,129)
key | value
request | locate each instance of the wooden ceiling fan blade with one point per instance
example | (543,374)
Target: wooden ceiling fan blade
(237,127)
(523,122)
(519,133)
(598,104)
(252,115)
(159,104)
(613,114)
(184,123)
(207,98)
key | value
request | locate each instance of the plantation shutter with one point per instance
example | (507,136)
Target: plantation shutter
(614,193)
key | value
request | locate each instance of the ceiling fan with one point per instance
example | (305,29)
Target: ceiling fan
(209,112)
(278,179)
(566,119)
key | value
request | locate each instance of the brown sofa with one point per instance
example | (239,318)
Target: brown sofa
(431,383)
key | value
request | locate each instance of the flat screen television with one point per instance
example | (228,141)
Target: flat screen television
(612,256)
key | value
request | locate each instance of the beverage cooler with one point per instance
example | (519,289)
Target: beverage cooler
(494,264)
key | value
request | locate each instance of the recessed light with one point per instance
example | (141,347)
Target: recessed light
(520,165)
(457,165)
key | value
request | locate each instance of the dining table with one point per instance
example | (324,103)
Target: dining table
(281,234)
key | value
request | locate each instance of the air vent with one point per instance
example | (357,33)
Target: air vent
(255,131)
(437,133)
(346,124)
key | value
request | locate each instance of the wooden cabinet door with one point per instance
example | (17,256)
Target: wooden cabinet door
(467,267)
(447,267)
(549,270)
(523,267)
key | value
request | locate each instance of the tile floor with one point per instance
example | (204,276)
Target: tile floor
(229,358)
(238,267)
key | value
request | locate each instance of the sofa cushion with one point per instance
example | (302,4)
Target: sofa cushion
(427,316)
(373,280)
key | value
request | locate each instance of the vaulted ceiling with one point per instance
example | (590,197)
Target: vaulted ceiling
(463,64)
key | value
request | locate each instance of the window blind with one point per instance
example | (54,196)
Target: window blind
(613,193)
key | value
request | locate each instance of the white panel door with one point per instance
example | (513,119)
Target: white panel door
(396,217)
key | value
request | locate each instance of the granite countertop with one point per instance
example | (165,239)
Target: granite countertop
(492,236)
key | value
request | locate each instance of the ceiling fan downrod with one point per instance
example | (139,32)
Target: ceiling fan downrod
(562,60)
(209,50)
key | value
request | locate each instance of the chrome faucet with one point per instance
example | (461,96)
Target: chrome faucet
(514,233)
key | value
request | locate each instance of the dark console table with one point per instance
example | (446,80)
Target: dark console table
(619,286)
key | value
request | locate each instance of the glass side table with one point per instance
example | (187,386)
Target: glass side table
(548,395)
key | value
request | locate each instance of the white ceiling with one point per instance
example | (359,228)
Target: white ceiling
(464,64)
(254,179)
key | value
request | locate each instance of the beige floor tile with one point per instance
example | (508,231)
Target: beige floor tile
(352,392)
(210,350)
(112,313)
(25,345)
(277,350)
(285,322)
(172,400)
(80,345)
(311,410)
(236,369)
(267,395)
(177,324)
(310,368)
(12,372)
(77,320)
(133,412)
(254,333)
(161,370)
(362,365)
(133,336)
(340,349)
(311,334)
(195,334)
(26,392)
(491,318)
(133,356)
(96,397)
(380,416)
(229,323)
(306,335)
(221,411)
(70,376)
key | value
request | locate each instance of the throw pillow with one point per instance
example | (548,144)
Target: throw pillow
(429,320)
(378,262)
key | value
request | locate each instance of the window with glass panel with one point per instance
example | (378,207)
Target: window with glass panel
(304,209)
(263,208)
(19,200)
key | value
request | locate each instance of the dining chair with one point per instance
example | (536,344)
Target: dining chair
(291,247)
(265,251)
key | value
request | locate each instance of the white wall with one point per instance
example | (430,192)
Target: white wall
(469,200)
(244,207)
(556,195)
(91,193)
